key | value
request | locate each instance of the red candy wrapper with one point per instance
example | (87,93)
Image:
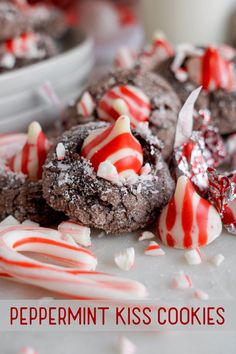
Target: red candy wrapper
(222,194)
(195,151)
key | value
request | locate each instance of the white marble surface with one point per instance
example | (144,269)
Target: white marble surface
(156,273)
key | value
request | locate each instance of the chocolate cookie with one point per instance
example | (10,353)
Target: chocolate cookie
(219,83)
(23,199)
(47,19)
(12,21)
(72,185)
(146,95)
(27,49)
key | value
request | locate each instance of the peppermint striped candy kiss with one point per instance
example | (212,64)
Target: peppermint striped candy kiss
(212,71)
(124,99)
(31,158)
(116,145)
(188,221)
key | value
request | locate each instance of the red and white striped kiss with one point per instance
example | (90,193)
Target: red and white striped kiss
(25,44)
(188,221)
(212,71)
(31,158)
(124,99)
(115,145)
(125,58)
(158,51)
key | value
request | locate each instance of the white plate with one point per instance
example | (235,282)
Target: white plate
(51,69)
(27,100)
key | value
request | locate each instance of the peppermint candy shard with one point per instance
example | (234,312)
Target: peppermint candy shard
(60,151)
(217,260)
(193,257)
(31,158)
(86,105)
(154,250)
(125,58)
(158,51)
(188,221)
(181,281)
(124,99)
(78,232)
(28,350)
(126,346)
(115,145)
(146,235)
(201,295)
(125,259)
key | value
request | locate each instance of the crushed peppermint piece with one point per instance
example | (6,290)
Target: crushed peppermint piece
(217,259)
(78,232)
(193,257)
(30,223)
(146,235)
(9,221)
(154,250)
(60,151)
(181,281)
(125,259)
(126,346)
(201,295)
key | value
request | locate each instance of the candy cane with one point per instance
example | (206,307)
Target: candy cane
(72,282)
(49,242)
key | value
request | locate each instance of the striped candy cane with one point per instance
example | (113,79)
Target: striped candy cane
(72,282)
(48,242)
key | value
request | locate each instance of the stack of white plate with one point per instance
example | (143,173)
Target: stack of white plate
(23,92)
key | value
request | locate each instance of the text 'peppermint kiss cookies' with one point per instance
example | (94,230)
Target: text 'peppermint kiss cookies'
(144,97)
(213,68)
(20,180)
(111,177)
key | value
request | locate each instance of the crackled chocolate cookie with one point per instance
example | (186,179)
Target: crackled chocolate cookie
(108,177)
(144,97)
(20,181)
(12,21)
(213,68)
(26,49)
(45,19)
